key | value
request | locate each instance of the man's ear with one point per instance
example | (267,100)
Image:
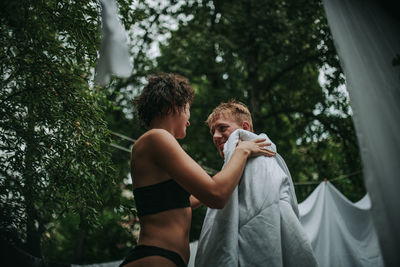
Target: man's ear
(246,125)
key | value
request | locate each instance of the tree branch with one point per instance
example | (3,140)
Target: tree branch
(12,95)
(275,79)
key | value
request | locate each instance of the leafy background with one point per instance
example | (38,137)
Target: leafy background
(65,192)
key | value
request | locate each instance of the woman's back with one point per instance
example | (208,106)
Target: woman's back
(164,207)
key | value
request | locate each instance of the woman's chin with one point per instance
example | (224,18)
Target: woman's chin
(181,136)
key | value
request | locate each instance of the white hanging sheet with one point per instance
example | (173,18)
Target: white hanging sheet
(342,233)
(114,52)
(367,39)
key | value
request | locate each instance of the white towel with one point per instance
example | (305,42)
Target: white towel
(259,225)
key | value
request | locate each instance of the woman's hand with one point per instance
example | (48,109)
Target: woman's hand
(256,147)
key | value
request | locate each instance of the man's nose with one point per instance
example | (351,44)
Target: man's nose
(188,123)
(217,134)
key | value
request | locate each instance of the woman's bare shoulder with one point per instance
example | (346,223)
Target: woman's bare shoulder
(155,138)
(157,132)
(157,135)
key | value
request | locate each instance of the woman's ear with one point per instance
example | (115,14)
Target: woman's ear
(246,125)
(176,110)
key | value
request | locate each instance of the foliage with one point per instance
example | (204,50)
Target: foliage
(268,54)
(276,56)
(106,243)
(55,143)
(60,182)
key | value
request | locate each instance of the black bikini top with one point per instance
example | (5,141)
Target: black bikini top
(159,197)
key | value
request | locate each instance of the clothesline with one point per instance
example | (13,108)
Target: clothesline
(212,171)
(120,147)
(330,180)
(123,137)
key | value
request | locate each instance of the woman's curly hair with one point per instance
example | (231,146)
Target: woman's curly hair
(163,92)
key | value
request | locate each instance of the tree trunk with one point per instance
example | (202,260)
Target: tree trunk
(82,233)
(252,73)
(33,235)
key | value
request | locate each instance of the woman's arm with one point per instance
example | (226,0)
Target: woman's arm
(213,192)
(194,202)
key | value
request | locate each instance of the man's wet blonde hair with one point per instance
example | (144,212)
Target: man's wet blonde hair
(232,109)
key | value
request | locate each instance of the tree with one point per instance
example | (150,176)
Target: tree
(61,183)
(269,54)
(54,142)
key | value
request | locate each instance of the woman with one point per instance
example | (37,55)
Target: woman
(167,182)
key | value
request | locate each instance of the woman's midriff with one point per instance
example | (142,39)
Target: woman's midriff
(168,229)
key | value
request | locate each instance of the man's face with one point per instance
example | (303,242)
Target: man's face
(221,129)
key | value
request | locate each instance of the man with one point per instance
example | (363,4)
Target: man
(259,225)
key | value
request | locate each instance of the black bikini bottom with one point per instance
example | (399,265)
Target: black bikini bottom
(143,251)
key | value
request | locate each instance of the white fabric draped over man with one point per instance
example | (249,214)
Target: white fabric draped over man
(259,226)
